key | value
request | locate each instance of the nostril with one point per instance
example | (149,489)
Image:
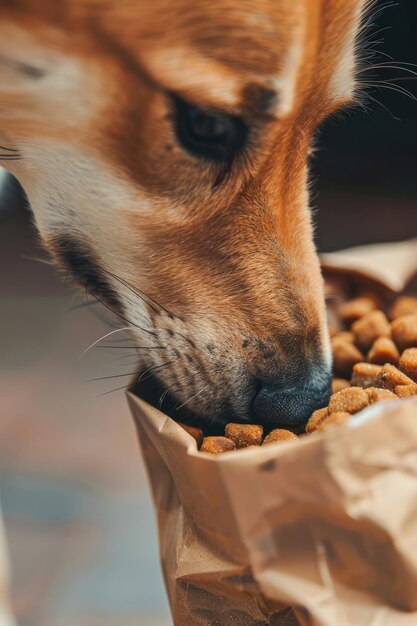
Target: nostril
(290,406)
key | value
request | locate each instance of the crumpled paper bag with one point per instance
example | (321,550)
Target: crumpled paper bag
(320,531)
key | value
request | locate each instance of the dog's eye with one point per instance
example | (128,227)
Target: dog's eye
(209,134)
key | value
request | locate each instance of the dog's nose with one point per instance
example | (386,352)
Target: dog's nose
(290,406)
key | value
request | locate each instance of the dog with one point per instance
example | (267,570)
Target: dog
(163,147)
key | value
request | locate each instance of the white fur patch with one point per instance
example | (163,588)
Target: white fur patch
(65,87)
(74,194)
(285,83)
(342,85)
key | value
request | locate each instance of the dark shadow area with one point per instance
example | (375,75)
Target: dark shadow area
(367,163)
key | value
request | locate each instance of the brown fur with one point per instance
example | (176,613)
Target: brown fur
(234,262)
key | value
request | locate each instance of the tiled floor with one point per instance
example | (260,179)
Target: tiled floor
(77,508)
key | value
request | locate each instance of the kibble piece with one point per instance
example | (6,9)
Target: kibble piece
(197,433)
(408,363)
(279,434)
(390,377)
(353,310)
(379,395)
(316,419)
(404,305)
(244,435)
(365,375)
(404,331)
(350,400)
(334,419)
(345,355)
(370,327)
(333,322)
(345,335)
(339,383)
(217,445)
(383,351)
(406,391)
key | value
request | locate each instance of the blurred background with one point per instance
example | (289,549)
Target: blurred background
(74,494)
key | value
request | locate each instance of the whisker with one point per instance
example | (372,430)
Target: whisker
(133,356)
(192,398)
(37,259)
(374,14)
(150,332)
(91,380)
(112,332)
(165,393)
(106,393)
(400,78)
(387,66)
(397,88)
(8,149)
(125,386)
(134,347)
(10,157)
(112,342)
(177,383)
(369,97)
(122,317)
(83,305)
(144,296)
(151,369)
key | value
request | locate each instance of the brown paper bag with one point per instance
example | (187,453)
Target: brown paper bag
(321,531)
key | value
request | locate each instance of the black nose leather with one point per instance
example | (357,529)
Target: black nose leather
(291,406)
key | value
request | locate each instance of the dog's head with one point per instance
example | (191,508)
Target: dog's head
(163,147)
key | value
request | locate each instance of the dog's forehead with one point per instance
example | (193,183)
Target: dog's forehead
(222,53)
(207,50)
(219,52)
(249,35)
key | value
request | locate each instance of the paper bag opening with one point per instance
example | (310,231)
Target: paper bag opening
(320,531)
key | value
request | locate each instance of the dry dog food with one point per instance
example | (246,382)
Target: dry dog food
(404,331)
(334,419)
(408,363)
(339,383)
(390,372)
(370,327)
(382,351)
(345,335)
(391,377)
(345,355)
(217,445)
(404,305)
(316,419)
(379,395)
(350,400)
(279,434)
(406,391)
(365,374)
(244,435)
(387,373)
(354,309)
(196,433)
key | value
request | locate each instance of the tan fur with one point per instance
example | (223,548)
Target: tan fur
(236,263)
